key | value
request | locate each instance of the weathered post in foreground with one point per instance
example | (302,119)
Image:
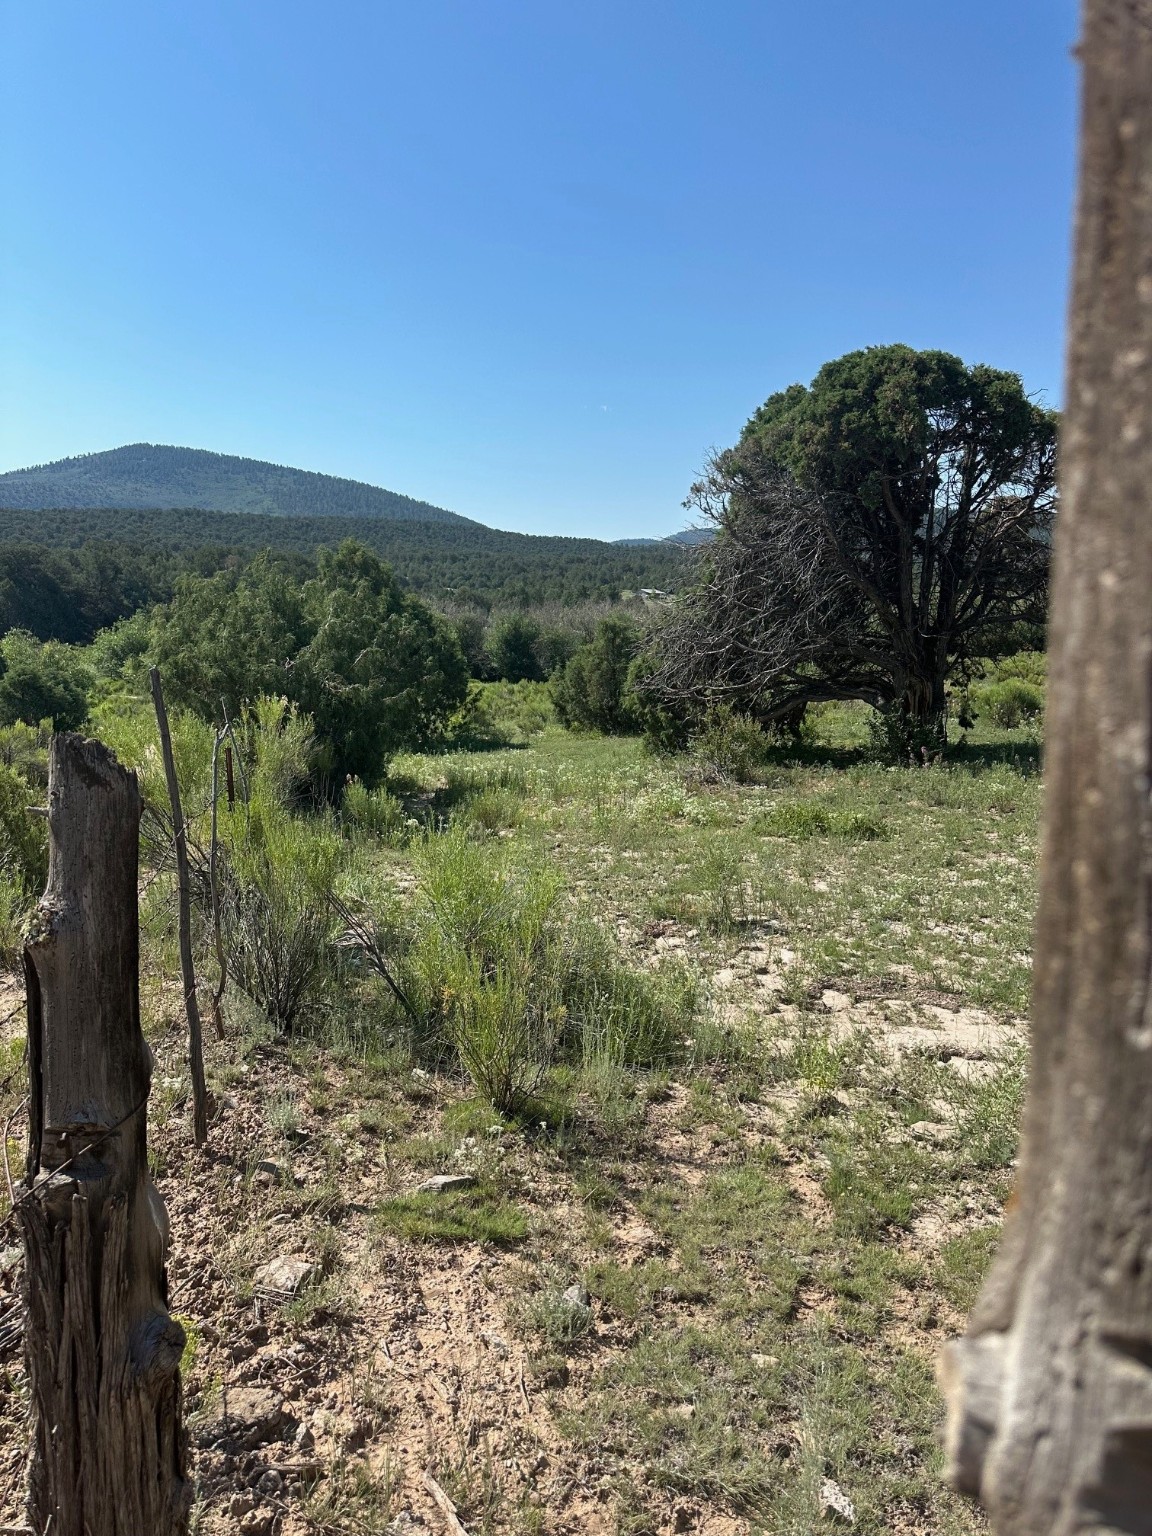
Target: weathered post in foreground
(107,1456)
(1050,1393)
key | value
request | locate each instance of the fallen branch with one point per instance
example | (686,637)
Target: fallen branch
(445,1506)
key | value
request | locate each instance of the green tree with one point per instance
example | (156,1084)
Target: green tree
(873,530)
(512,646)
(373,666)
(42,680)
(232,637)
(381,671)
(591,691)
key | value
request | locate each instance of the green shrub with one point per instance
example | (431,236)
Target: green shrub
(512,644)
(591,692)
(506,981)
(23,837)
(372,665)
(1030,666)
(277,921)
(494,809)
(502,715)
(1009,703)
(375,812)
(727,746)
(802,819)
(42,680)
(895,736)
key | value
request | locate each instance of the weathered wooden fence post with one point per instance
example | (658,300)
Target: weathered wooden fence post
(1050,1393)
(107,1456)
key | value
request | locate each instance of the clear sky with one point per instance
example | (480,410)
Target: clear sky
(525,259)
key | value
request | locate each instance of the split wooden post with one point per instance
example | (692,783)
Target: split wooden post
(184,899)
(1050,1392)
(107,1446)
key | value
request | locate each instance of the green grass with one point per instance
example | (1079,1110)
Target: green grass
(619,969)
(467,1216)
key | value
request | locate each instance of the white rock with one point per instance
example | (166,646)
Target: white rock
(834,1501)
(284,1277)
(444,1183)
(835,1002)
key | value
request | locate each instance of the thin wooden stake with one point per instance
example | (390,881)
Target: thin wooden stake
(214,888)
(187,968)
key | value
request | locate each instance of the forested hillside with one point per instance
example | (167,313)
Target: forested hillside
(155,475)
(65,574)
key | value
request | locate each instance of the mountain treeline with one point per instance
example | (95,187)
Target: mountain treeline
(145,475)
(65,574)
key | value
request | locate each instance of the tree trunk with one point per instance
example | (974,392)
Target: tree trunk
(1050,1393)
(107,1454)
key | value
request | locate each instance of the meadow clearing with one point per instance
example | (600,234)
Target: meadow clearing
(724,1079)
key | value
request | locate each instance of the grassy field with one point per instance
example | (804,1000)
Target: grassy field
(754,1139)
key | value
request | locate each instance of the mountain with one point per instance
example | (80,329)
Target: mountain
(686,536)
(149,475)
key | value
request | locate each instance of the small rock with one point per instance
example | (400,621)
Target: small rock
(271,1483)
(764,1362)
(724,978)
(240,1504)
(929,1130)
(577,1295)
(443,1183)
(304,1439)
(252,1415)
(257,1523)
(835,1002)
(284,1277)
(834,1501)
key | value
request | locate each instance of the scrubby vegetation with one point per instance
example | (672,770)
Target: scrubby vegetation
(623,1026)
(721,1053)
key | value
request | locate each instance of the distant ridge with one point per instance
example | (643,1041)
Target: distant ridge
(150,475)
(689,536)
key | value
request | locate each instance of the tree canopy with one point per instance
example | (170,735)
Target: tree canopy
(873,530)
(372,665)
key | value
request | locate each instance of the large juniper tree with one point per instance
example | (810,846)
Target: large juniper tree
(873,530)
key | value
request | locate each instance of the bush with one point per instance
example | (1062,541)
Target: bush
(727,746)
(373,666)
(375,812)
(42,680)
(502,715)
(1010,703)
(506,983)
(512,649)
(23,837)
(479,966)
(278,926)
(592,690)
(23,859)
(894,736)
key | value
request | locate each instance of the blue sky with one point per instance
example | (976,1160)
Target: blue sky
(524,259)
